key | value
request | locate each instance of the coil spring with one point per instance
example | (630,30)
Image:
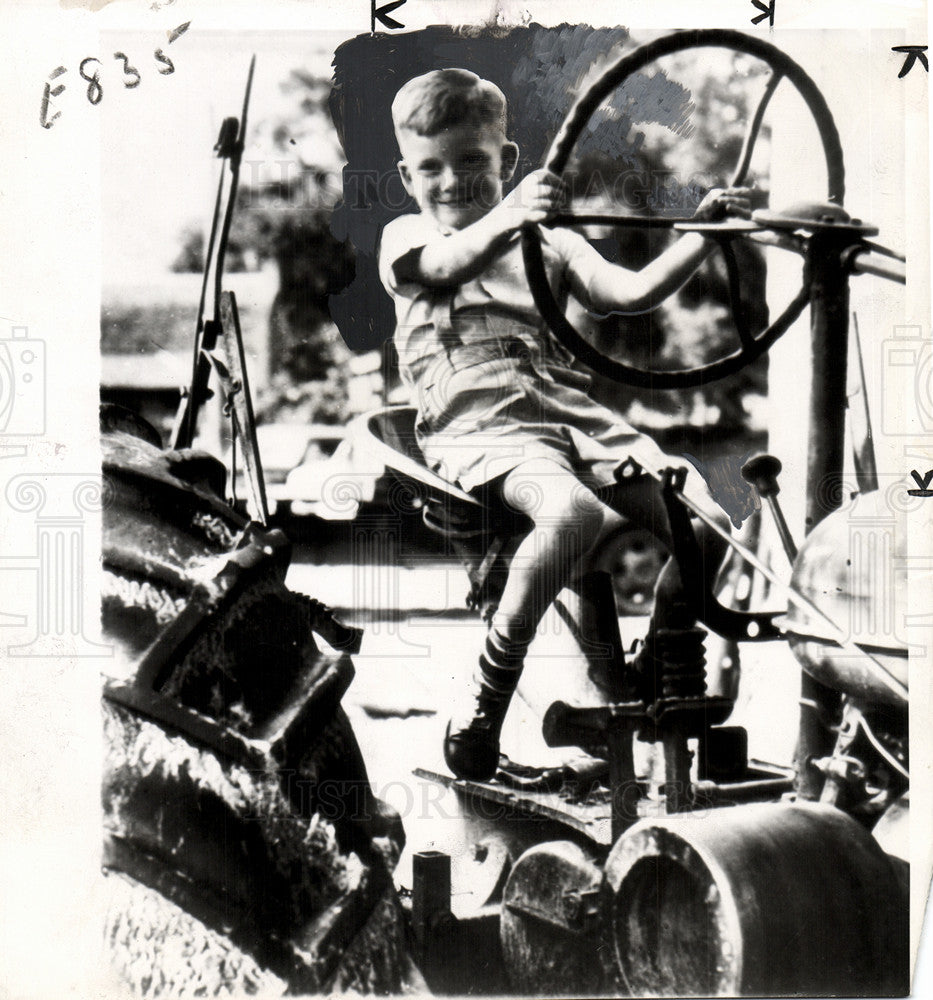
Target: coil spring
(683,662)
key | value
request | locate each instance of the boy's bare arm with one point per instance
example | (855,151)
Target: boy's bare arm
(464,254)
(607,287)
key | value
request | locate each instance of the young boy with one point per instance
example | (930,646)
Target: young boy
(499,407)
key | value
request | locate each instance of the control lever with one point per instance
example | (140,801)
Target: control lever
(762,472)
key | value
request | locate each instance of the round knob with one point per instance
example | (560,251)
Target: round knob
(762,472)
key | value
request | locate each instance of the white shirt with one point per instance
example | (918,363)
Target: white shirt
(495,306)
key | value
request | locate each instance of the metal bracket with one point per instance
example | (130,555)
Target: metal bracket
(745,626)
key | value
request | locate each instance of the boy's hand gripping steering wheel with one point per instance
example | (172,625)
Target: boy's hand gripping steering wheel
(752,345)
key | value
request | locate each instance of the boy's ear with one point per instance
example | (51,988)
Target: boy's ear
(405,174)
(509,160)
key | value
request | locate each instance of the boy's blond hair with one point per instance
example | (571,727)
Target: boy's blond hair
(428,104)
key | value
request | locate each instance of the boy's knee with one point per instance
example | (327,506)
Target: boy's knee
(573,528)
(552,497)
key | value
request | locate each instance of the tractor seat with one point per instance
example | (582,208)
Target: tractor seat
(448,509)
(392,436)
(483,533)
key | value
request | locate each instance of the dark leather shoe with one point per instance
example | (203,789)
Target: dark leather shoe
(472,751)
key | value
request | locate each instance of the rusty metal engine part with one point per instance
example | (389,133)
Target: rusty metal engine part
(549,923)
(754,900)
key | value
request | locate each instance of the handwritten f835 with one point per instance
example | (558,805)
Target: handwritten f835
(89,71)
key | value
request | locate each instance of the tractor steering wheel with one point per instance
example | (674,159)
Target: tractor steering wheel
(752,345)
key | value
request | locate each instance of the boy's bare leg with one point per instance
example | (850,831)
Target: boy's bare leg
(569,522)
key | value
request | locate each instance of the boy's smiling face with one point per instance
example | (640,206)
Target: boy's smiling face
(456,176)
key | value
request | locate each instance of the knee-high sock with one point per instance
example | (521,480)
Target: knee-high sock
(500,664)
